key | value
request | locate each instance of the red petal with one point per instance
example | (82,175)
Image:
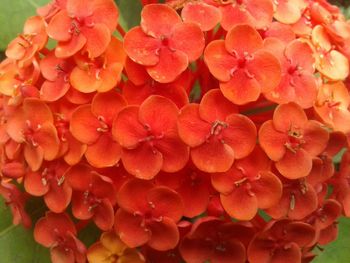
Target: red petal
(128,226)
(240,135)
(164,235)
(165,203)
(266,69)
(46,137)
(192,129)
(81,209)
(105,152)
(84,125)
(33,184)
(316,138)
(268,190)
(287,116)
(107,105)
(232,15)
(104,215)
(160,114)
(97,39)
(272,141)
(214,106)
(295,165)
(59,26)
(70,47)
(58,197)
(220,62)
(175,153)
(170,66)
(206,16)
(54,90)
(166,16)
(127,129)
(79,177)
(243,38)
(144,162)
(188,38)
(60,255)
(213,156)
(130,202)
(240,204)
(34,156)
(241,89)
(301,54)
(141,48)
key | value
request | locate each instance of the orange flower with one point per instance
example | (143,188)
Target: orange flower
(110,249)
(215,132)
(291,140)
(32,126)
(101,73)
(83,24)
(92,123)
(148,135)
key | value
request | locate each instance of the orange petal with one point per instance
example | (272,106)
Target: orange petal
(159,113)
(84,125)
(206,16)
(213,156)
(220,62)
(295,165)
(240,204)
(241,89)
(127,129)
(209,109)
(243,38)
(167,18)
(97,39)
(144,162)
(192,129)
(105,152)
(272,141)
(170,66)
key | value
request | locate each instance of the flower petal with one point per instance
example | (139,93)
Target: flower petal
(164,234)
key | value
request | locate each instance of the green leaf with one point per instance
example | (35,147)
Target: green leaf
(339,250)
(12,17)
(129,13)
(17,243)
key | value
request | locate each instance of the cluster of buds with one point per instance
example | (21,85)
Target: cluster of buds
(209,133)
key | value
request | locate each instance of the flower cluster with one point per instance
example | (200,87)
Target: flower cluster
(211,132)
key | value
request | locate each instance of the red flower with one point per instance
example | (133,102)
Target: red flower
(32,126)
(291,140)
(50,182)
(298,82)
(281,241)
(165,45)
(94,196)
(248,186)
(16,200)
(216,241)
(215,132)
(24,47)
(186,182)
(332,105)
(206,16)
(241,65)
(148,217)
(140,86)
(289,11)
(57,232)
(56,71)
(84,24)
(101,73)
(92,123)
(255,13)
(299,199)
(149,138)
